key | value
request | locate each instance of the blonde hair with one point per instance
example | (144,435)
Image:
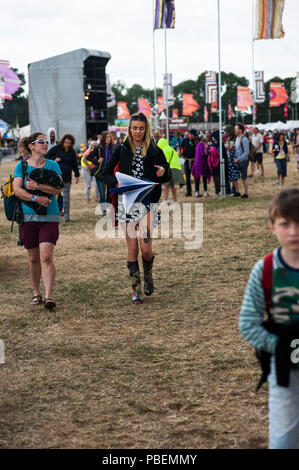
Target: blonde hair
(147,134)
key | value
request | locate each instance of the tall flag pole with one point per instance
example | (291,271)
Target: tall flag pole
(253,77)
(155,82)
(222,170)
(165,18)
(166,76)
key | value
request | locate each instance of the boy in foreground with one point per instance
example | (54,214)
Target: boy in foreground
(273,286)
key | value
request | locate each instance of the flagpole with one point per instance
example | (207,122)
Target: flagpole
(222,172)
(253,75)
(155,83)
(166,78)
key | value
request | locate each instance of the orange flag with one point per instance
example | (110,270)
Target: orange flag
(122,110)
(144,107)
(214,107)
(278,95)
(175,113)
(161,107)
(189,104)
(244,98)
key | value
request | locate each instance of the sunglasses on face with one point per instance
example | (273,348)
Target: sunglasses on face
(40,141)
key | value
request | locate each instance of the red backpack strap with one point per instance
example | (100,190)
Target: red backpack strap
(267,279)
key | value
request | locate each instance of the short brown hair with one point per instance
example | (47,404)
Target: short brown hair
(285,204)
(68,137)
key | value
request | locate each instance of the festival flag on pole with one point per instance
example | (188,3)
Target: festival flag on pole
(278,94)
(9,81)
(206,114)
(167,7)
(189,104)
(175,113)
(111,101)
(122,110)
(255,112)
(214,107)
(244,98)
(260,94)
(269,19)
(161,106)
(285,109)
(144,107)
(230,112)
(211,87)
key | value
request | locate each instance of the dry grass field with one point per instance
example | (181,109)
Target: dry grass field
(101,373)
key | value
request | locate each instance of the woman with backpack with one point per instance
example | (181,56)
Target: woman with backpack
(39,233)
(139,156)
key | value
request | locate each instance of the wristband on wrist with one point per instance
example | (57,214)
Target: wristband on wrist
(34,197)
(37,187)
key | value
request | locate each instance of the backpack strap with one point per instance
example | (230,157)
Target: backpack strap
(267,280)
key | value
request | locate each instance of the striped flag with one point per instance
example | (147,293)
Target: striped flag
(269,19)
(259,89)
(164,12)
(211,87)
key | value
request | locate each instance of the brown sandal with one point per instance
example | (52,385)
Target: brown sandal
(36,300)
(49,304)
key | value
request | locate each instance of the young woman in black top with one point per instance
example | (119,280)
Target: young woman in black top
(139,156)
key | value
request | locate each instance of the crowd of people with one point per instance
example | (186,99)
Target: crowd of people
(153,158)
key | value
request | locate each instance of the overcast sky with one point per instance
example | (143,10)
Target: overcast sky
(32,30)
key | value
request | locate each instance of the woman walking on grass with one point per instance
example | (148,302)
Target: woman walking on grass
(141,158)
(280,152)
(39,233)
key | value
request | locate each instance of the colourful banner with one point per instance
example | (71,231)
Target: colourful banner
(164,12)
(269,19)
(161,106)
(230,112)
(260,94)
(211,87)
(9,81)
(206,114)
(111,101)
(189,104)
(144,107)
(285,110)
(214,107)
(122,110)
(175,113)
(244,98)
(278,94)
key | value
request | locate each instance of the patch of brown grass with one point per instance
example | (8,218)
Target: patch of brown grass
(102,373)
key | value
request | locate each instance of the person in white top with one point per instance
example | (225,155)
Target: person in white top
(257,142)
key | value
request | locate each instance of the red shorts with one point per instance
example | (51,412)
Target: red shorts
(34,233)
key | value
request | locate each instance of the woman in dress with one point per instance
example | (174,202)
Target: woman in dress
(280,151)
(138,156)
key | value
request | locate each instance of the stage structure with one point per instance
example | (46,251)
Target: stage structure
(68,92)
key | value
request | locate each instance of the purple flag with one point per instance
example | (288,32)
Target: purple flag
(164,12)
(9,79)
